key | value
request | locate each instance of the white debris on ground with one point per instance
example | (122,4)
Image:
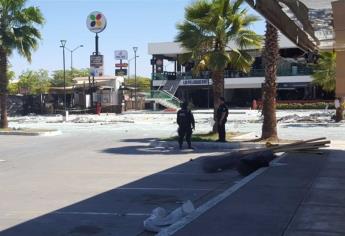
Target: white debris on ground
(325,117)
(151,124)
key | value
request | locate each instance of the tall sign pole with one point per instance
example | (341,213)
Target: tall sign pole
(96,23)
(96,46)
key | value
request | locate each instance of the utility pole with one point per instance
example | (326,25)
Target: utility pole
(135,49)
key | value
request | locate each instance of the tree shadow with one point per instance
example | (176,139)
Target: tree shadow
(139,140)
(152,150)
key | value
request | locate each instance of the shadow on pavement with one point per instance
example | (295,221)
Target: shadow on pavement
(147,150)
(145,146)
(121,211)
(139,140)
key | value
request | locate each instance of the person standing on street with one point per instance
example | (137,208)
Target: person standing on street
(222,116)
(186,123)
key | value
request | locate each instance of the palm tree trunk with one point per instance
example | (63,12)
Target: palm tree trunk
(270,54)
(218,91)
(3,89)
(339,114)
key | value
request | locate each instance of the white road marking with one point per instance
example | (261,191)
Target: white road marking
(98,213)
(168,189)
(212,202)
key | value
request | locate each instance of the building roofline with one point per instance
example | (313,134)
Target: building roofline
(175,48)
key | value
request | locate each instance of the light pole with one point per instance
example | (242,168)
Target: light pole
(135,49)
(63,44)
(71,51)
(129,63)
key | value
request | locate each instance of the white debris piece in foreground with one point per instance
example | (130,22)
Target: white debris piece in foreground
(159,218)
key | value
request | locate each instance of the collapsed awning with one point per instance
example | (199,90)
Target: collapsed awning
(311,24)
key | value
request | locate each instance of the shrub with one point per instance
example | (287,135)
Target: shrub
(317,105)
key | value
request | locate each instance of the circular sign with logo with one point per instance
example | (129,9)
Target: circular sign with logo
(96,22)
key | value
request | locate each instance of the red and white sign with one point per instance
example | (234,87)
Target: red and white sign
(121,65)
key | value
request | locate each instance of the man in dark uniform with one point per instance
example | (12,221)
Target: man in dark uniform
(186,123)
(222,115)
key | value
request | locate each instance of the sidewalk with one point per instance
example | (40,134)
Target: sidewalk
(303,195)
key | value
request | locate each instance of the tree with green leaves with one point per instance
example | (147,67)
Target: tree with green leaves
(34,82)
(18,31)
(12,87)
(206,32)
(324,76)
(143,83)
(324,71)
(58,79)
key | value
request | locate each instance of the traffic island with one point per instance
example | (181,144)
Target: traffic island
(29,132)
(234,140)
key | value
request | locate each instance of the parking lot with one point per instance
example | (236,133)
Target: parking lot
(76,185)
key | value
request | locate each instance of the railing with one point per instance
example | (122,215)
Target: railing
(261,72)
(164,95)
(232,74)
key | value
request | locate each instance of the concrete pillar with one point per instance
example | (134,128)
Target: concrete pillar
(340,74)
(338,8)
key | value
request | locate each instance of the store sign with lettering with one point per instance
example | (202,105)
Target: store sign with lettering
(187,82)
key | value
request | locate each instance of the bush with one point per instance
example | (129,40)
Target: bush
(317,105)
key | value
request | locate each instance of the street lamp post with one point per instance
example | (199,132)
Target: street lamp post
(135,49)
(71,51)
(129,66)
(63,44)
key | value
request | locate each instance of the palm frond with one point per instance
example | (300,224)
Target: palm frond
(324,74)
(210,26)
(218,60)
(249,20)
(240,60)
(237,6)
(198,10)
(20,27)
(247,39)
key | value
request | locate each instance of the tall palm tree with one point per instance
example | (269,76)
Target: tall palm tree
(17,32)
(325,76)
(270,57)
(206,32)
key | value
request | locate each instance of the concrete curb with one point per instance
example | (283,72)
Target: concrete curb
(33,133)
(244,137)
(206,145)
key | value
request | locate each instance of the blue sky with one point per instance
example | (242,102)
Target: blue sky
(130,23)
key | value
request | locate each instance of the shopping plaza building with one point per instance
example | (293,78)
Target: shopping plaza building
(294,81)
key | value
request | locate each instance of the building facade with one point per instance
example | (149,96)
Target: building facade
(294,81)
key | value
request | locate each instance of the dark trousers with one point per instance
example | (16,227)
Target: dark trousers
(221,132)
(184,133)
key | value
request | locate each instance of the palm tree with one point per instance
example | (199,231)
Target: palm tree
(325,76)
(17,32)
(206,32)
(324,71)
(270,57)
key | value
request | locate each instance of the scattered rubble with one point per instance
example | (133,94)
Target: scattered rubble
(164,125)
(324,117)
(160,219)
(247,161)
